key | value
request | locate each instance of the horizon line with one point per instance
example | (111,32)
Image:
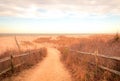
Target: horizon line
(55,33)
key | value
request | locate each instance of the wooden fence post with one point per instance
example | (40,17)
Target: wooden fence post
(16,41)
(96,60)
(12,65)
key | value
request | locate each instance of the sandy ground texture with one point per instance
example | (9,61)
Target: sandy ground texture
(50,69)
(8,43)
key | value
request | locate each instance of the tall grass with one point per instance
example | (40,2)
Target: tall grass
(81,69)
(116,38)
(80,65)
(29,60)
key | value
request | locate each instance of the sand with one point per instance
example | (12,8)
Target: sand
(50,69)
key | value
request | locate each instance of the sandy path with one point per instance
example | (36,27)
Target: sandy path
(51,69)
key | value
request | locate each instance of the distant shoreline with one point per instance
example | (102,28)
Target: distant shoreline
(51,34)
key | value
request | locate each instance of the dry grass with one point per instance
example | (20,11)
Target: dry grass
(79,65)
(104,44)
(29,60)
(59,40)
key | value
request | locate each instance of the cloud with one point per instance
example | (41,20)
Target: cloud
(58,8)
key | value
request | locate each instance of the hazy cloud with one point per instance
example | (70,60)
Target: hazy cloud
(58,8)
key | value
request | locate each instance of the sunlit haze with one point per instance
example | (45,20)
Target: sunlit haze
(59,16)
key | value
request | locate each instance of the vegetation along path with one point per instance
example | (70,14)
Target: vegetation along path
(50,69)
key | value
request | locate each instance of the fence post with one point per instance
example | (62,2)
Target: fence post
(12,65)
(96,61)
(16,41)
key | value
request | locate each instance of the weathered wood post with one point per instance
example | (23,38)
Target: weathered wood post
(12,65)
(16,41)
(96,60)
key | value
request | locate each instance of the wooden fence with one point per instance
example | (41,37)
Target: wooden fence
(13,61)
(102,56)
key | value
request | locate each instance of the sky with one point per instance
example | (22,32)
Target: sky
(59,16)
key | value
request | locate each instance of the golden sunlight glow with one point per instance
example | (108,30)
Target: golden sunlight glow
(66,28)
